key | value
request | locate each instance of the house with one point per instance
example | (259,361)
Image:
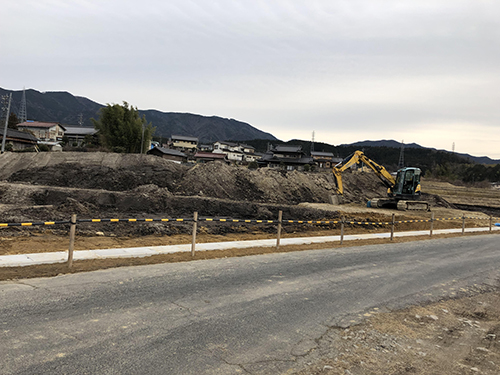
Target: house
(254,156)
(44,131)
(205,148)
(76,135)
(325,160)
(236,152)
(19,140)
(286,157)
(247,149)
(207,157)
(166,153)
(221,146)
(183,143)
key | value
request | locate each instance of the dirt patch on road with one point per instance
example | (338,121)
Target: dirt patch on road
(451,337)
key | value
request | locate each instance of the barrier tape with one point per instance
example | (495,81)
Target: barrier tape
(34,223)
(127,220)
(237,221)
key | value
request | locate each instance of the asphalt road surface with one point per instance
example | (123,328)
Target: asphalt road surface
(249,315)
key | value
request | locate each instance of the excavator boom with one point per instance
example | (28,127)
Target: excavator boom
(360,157)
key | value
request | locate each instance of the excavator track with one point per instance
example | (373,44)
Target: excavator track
(400,205)
(413,206)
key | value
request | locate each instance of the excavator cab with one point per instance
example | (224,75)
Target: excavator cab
(407,184)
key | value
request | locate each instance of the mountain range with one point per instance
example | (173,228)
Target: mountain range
(66,109)
(395,144)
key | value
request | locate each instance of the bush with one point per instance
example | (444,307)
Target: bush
(43,148)
(253,165)
(119,149)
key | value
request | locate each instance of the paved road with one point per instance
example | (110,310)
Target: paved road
(257,314)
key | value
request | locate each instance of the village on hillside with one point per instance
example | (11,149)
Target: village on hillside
(53,136)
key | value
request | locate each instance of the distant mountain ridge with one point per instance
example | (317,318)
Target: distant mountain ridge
(66,108)
(395,144)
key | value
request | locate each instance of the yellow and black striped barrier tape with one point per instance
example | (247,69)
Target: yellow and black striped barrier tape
(229,220)
(34,223)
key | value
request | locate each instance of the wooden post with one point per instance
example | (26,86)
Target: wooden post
(463,223)
(195,228)
(491,219)
(432,223)
(342,230)
(278,236)
(72,232)
(392,228)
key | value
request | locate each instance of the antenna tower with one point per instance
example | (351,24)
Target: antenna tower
(401,163)
(6,100)
(80,119)
(23,117)
(453,148)
(312,143)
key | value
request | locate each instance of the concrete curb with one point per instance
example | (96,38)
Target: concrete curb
(23,260)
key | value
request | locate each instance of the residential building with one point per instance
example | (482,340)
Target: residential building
(19,140)
(324,160)
(166,153)
(286,157)
(236,152)
(183,143)
(205,147)
(207,157)
(44,131)
(76,135)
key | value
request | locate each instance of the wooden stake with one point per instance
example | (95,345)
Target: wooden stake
(278,237)
(491,219)
(195,228)
(463,223)
(342,230)
(72,232)
(432,223)
(392,228)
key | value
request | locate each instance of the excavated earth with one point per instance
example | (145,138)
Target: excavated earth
(449,337)
(52,186)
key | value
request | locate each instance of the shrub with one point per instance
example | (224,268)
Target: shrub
(253,165)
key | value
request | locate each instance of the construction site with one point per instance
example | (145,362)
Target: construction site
(55,186)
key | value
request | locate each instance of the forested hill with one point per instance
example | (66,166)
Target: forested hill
(432,162)
(66,108)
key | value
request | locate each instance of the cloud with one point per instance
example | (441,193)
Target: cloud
(387,68)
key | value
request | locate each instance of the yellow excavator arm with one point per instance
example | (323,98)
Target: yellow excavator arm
(360,157)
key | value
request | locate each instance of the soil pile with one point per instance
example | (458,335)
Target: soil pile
(125,173)
(52,186)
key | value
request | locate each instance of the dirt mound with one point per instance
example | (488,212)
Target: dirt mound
(124,173)
(113,177)
(262,185)
(53,186)
(360,187)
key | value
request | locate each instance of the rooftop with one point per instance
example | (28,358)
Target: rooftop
(38,124)
(168,151)
(79,130)
(184,138)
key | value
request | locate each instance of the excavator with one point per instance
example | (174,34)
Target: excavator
(403,191)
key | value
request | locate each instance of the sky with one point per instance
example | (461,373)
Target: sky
(425,72)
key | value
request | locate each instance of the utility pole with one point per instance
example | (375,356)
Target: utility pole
(142,139)
(6,99)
